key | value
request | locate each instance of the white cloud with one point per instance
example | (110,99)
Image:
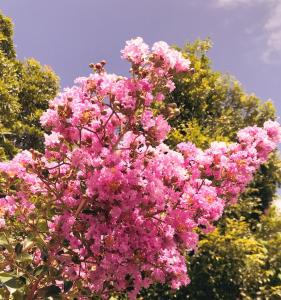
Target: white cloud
(271,26)
(232,3)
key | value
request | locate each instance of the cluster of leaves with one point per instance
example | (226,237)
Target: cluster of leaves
(16,241)
(239,260)
(25,89)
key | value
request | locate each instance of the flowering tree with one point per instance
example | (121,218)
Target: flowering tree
(108,207)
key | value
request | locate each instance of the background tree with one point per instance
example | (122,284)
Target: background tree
(239,260)
(25,89)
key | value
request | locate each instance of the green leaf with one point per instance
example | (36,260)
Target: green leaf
(40,269)
(42,225)
(44,254)
(18,295)
(5,277)
(25,257)
(28,243)
(3,240)
(49,291)
(16,283)
(75,259)
(18,248)
(67,285)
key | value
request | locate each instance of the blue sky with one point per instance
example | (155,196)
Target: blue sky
(69,34)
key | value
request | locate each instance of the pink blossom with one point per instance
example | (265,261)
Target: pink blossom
(171,58)
(135,50)
(122,207)
(273,130)
(2,223)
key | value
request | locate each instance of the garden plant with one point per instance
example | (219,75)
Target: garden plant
(108,207)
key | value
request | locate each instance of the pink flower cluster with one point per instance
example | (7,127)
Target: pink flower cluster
(125,207)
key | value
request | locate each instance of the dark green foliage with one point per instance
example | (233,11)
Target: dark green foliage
(6,37)
(38,85)
(213,106)
(25,89)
